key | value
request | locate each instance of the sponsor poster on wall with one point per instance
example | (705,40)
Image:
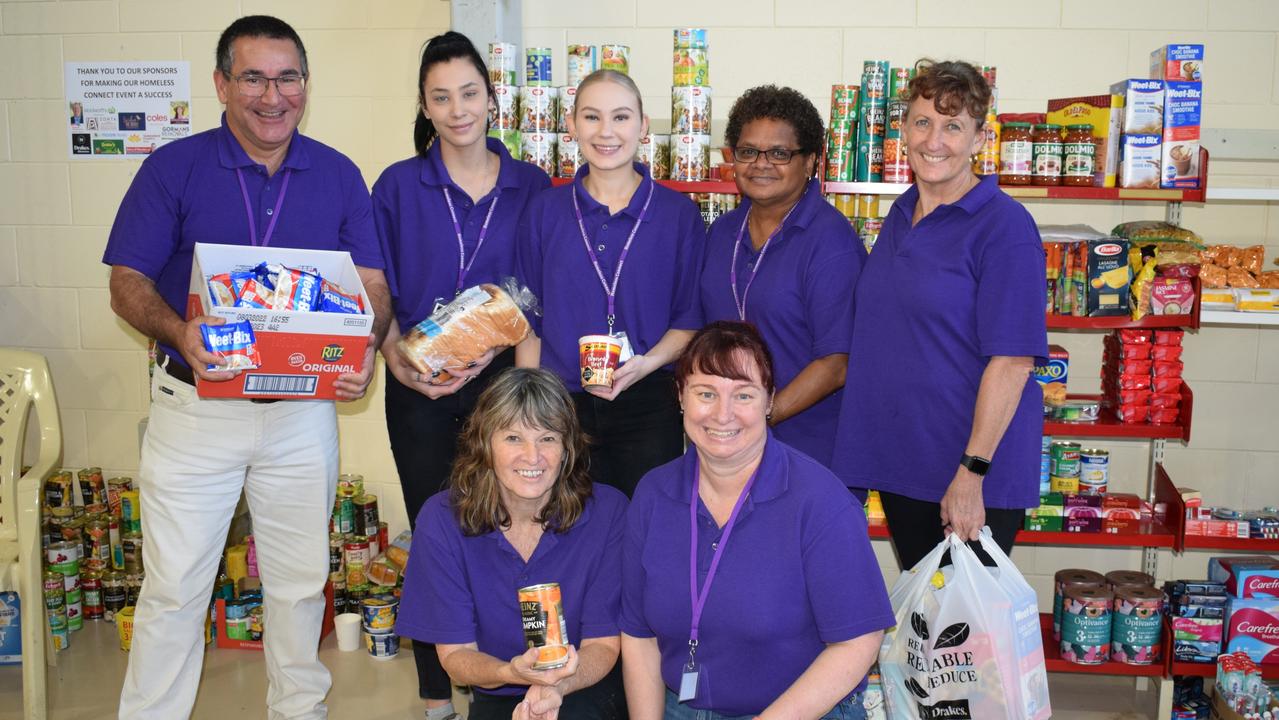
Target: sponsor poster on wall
(118,109)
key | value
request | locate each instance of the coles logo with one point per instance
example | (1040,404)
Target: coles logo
(332,353)
(157,118)
(1109,249)
(296,359)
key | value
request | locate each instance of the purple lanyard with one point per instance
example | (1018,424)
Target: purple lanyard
(464,267)
(699,599)
(740,303)
(275,214)
(611,292)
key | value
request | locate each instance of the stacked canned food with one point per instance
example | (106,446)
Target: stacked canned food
(357,538)
(92,538)
(863,212)
(1118,616)
(690,140)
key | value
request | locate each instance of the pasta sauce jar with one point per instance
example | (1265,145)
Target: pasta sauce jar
(1015,154)
(1046,152)
(1079,154)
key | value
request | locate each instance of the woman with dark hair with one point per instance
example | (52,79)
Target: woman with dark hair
(520,510)
(785,261)
(615,253)
(447,220)
(940,413)
(787,605)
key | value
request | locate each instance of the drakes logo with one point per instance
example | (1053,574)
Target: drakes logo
(946,710)
(332,353)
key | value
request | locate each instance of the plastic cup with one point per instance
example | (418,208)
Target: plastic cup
(347,627)
(124,627)
(600,355)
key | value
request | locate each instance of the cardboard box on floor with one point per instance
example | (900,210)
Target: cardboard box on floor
(303,353)
(1221,711)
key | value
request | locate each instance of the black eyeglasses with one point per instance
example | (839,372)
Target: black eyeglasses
(775,156)
(255,85)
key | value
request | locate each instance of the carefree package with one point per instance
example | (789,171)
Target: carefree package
(300,353)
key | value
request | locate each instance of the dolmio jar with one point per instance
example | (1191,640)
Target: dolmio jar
(1046,149)
(1079,154)
(1015,154)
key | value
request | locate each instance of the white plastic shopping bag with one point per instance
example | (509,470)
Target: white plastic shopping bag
(967,645)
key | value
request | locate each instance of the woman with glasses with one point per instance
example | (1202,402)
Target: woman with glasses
(447,220)
(940,413)
(786,261)
(615,253)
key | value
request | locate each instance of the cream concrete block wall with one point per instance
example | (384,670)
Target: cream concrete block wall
(55,214)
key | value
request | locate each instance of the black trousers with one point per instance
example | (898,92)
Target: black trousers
(423,436)
(916,528)
(633,434)
(605,700)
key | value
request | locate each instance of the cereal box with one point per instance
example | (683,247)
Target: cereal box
(1105,114)
(1143,105)
(1183,108)
(1253,628)
(1178,62)
(1140,160)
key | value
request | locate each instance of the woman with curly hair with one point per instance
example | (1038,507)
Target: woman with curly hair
(940,413)
(520,510)
(786,261)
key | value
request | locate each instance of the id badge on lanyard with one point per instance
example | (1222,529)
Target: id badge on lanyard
(610,291)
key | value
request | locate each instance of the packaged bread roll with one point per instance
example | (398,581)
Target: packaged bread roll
(480,319)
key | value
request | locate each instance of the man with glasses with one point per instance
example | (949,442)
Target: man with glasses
(254,180)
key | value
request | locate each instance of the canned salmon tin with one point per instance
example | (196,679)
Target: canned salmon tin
(504,64)
(691,67)
(1085,624)
(568,98)
(655,152)
(1094,471)
(686,38)
(537,109)
(568,156)
(1137,625)
(616,58)
(690,111)
(504,113)
(538,148)
(537,67)
(690,157)
(582,61)
(1068,578)
(542,614)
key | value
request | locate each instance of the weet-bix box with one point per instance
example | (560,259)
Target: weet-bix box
(1184,62)
(1253,627)
(1183,109)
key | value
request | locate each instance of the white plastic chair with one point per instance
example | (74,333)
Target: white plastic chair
(25,382)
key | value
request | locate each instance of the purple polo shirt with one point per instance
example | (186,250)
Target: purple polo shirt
(934,304)
(801,300)
(187,192)
(462,589)
(797,573)
(417,234)
(658,288)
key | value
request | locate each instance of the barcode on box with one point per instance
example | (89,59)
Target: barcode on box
(255,384)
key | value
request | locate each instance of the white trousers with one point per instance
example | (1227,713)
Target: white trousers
(196,457)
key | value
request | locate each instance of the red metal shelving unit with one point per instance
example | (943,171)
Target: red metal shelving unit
(1166,492)
(1108,426)
(1173,668)
(1054,662)
(1154,534)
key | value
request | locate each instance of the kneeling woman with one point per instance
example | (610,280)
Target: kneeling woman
(787,605)
(520,511)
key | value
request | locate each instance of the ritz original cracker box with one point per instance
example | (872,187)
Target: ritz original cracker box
(302,353)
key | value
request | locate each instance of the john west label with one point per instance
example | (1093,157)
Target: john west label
(946,666)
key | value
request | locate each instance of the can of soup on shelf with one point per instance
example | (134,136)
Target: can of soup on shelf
(542,613)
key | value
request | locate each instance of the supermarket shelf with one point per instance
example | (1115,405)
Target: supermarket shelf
(713,186)
(1108,426)
(1035,193)
(1055,663)
(1069,322)
(1244,194)
(1234,317)
(1256,545)
(1166,493)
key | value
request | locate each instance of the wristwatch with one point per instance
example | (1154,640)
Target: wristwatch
(977,465)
